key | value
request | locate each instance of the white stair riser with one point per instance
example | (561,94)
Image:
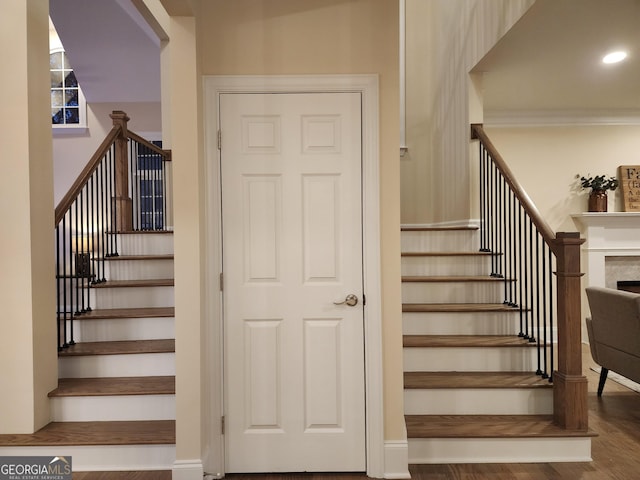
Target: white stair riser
(447,265)
(132,297)
(138,269)
(145,244)
(453,359)
(456,323)
(439,241)
(452,292)
(105,457)
(476,323)
(113,408)
(478,401)
(499,450)
(119,329)
(138,365)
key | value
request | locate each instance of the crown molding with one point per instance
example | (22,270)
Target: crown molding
(550,117)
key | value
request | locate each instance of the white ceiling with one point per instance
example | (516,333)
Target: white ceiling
(551,59)
(115,55)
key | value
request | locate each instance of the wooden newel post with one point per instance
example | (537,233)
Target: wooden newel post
(569,384)
(121,202)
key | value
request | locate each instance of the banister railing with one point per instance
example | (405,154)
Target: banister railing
(123,188)
(547,292)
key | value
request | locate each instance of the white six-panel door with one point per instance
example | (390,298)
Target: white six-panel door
(292,248)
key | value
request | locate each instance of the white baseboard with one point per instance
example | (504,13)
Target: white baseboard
(396,459)
(187,470)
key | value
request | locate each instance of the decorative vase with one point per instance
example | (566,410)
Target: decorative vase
(598,201)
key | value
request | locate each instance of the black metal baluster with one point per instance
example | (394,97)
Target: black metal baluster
(72,276)
(164,194)
(538,326)
(59,278)
(530,335)
(520,276)
(133,155)
(545,319)
(64,277)
(492,228)
(80,259)
(527,275)
(512,271)
(551,318)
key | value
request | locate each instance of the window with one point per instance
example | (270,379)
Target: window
(151,187)
(67,101)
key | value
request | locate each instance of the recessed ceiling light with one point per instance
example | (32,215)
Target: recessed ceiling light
(614,57)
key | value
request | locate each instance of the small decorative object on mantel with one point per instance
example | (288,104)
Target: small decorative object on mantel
(630,184)
(599,186)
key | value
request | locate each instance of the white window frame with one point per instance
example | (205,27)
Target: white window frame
(81,126)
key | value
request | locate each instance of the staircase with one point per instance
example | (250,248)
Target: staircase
(470,392)
(114,408)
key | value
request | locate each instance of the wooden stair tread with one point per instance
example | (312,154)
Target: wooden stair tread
(450,380)
(124,475)
(453,278)
(465,341)
(487,426)
(144,232)
(448,254)
(149,432)
(109,386)
(457,307)
(168,256)
(119,348)
(438,229)
(149,312)
(158,282)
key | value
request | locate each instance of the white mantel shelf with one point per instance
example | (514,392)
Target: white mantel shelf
(608,220)
(611,232)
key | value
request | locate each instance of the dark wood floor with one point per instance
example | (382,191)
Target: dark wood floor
(615,417)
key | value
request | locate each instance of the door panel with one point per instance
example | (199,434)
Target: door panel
(292,248)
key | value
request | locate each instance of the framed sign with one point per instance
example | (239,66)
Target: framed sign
(630,184)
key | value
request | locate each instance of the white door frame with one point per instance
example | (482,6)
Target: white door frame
(367,86)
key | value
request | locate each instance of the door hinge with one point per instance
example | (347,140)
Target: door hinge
(222,425)
(364,299)
(221,282)
(219,139)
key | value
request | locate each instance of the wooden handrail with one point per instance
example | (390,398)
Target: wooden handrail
(154,148)
(86,173)
(478,133)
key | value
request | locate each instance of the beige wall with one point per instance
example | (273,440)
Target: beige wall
(268,37)
(28,355)
(279,37)
(441,51)
(546,161)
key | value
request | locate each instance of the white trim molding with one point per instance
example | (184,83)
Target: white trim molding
(187,470)
(367,86)
(551,118)
(396,459)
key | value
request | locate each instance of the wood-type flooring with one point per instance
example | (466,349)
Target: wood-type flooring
(615,417)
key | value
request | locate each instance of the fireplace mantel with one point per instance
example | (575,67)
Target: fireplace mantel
(617,233)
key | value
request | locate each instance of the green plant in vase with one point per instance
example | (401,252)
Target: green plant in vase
(599,186)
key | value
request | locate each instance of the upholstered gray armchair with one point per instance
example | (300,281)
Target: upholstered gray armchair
(614,332)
